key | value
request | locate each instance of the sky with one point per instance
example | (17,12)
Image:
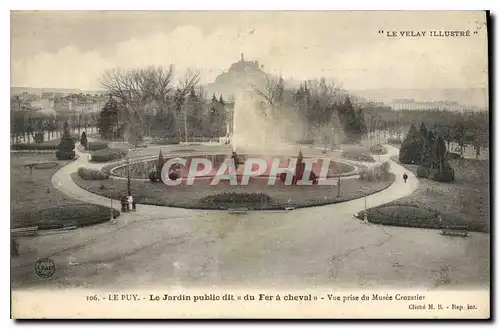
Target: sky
(72,49)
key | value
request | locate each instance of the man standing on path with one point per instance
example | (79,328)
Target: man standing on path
(130,201)
(405,177)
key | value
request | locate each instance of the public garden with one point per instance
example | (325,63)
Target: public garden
(372,228)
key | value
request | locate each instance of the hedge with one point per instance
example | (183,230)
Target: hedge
(80,214)
(95,146)
(237,198)
(32,147)
(166,141)
(107,154)
(407,215)
(91,174)
(447,175)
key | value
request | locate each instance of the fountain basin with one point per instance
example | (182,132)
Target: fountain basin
(333,168)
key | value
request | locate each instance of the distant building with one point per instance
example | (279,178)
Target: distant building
(240,76)
(79,103)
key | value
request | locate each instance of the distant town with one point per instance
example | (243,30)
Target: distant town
(52,102)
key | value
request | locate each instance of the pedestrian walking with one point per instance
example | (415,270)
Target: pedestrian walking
(405,177)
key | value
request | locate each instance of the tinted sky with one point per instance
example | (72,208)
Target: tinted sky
(72,49)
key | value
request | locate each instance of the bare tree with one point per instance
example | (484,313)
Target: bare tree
(136,90)
(329,133)
(272,91)
(372,125)
(326,93)
(188,82)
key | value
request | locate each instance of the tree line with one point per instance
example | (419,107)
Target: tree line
(26,125)
(146,102)
(462,128)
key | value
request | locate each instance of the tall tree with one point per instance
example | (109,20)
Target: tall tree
(108,119)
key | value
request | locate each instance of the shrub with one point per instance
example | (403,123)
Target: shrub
(66,146)
(65,155)
(38,137)
(108,154)
(91,174)
(153,177)
(83,139)
(173,175)
(410,151)
(447,175)
(159,164)
(96,146)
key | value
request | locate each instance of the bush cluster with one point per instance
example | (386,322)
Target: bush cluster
(29,147)
(376,173)
(91,174)
(107,154)
(447,174)
(237,198)
(96,146)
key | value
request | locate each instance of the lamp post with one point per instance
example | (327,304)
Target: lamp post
(111,203)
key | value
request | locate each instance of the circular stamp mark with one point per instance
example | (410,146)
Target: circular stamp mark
(45,267)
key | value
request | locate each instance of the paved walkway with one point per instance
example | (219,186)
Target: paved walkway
(325,245)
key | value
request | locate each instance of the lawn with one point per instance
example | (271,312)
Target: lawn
(35,202)
(462,203)
(196,196)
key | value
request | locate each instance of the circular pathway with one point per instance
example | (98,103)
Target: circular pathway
(320,246)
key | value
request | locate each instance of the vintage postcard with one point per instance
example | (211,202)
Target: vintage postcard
(250,164)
